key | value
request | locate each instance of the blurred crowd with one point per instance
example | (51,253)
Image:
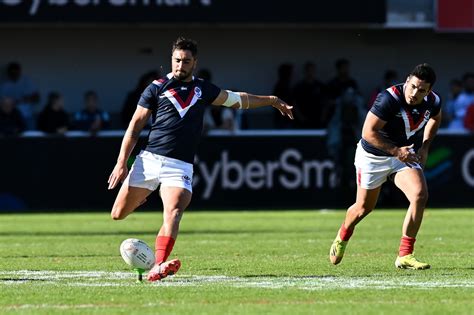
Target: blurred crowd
(20,108)
(336,105)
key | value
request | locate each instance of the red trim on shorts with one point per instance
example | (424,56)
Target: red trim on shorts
(359,176)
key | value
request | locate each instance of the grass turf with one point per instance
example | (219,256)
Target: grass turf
(236,263)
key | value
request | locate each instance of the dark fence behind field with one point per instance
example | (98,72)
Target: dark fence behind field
(272,170)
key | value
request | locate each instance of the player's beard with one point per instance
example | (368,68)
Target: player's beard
(182,76)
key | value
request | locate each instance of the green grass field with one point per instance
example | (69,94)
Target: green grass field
(236,263)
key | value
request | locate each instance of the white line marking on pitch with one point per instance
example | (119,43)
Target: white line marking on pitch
(109,279)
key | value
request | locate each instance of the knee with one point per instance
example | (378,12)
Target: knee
(361,210)
(117,214)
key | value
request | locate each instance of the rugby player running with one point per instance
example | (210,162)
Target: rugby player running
(176,105)
(387,150)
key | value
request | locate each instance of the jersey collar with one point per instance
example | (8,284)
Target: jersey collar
(170,76)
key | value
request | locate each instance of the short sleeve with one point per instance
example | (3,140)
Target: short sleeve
(384,106)
(148,99)
(210,91)
(436,105)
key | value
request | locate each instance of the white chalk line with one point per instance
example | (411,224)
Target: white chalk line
(120,279)
(71,306)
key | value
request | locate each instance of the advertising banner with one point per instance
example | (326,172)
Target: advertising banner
(264,172)
(192,11)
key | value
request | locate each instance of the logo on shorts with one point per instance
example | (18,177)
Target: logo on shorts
(197,91)
(186,179)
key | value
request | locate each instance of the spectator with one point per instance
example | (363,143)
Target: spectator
(53,118)
(309,100)
(216,117)
(462,102)
(283,90)
(455,88)
(342,81)
(390,78)
(22,91)
(132,98)
(11,120)
(91,118)
(344,131)
(339,84)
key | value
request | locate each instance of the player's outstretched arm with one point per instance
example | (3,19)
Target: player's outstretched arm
(243,100)
(130,139)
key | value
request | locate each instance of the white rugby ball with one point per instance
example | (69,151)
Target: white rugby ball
(137,254)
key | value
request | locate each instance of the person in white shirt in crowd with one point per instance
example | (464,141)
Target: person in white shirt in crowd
(462,102)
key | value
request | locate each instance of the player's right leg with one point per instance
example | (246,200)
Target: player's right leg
(371,173)
(365,203)
(176,192)
(175,201)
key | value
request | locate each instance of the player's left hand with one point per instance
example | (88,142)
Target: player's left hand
(284,108)
(118,175)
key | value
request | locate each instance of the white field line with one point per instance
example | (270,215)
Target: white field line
(71,306)
(120,279)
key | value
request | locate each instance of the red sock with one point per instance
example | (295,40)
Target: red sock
(163,247)
(406,246)
(345,234)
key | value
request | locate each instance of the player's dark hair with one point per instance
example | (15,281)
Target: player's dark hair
(424,72)
(185,44)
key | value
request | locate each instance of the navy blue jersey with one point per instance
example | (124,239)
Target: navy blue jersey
(404,122)
(177,118)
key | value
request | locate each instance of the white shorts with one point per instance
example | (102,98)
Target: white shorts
(372,170)
(151,170)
